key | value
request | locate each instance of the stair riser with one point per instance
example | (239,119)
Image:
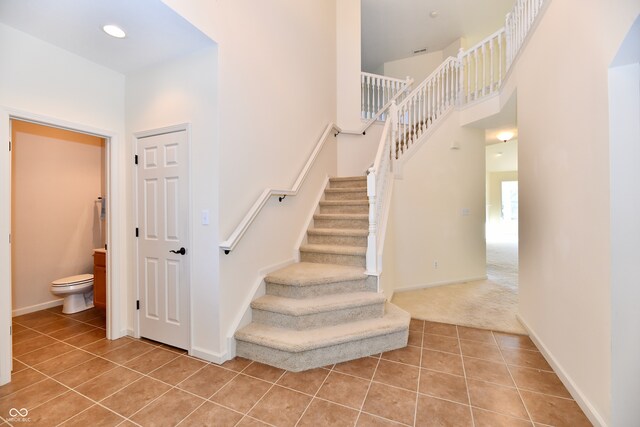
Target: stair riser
(352,183)
(322,239)
(317,320)
(317,358)
(324,258)
(298,292)
(350,195)
(346,209)
(358,224)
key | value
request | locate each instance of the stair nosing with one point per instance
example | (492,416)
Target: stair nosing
(344,232)
(341,216)
(349,274)
(316,305)
(334,249)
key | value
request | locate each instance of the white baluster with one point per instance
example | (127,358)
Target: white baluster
(500,53)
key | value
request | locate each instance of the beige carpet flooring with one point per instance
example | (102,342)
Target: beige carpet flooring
(487,304)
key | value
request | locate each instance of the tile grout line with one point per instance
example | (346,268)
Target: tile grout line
(415,411)
(368,389)
(314,396)
(466,382)
(514,381)
(261,397)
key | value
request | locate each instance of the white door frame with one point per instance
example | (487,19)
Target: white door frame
(143,134)
(114,238)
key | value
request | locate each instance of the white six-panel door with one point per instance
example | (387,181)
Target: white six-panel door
(163,238)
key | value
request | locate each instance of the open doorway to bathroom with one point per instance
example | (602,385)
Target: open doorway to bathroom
(58,227)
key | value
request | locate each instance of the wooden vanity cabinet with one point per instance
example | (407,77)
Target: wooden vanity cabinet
(100,280)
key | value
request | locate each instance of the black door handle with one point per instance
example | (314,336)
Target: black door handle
(180,251)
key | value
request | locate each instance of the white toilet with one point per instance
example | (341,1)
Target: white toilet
(77,292)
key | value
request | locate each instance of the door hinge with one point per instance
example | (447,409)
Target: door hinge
(9,145)
(135,159)
(105,246)
(137,231)
(10,330)
(138,305)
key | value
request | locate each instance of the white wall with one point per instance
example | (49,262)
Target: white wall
(277,93)
(348,61)
(564,177)
(41,80)
(56,179)
(356,153)
(185,91)
(417,67)
(437,184)
(624,120)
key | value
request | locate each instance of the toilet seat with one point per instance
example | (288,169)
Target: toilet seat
(80,279)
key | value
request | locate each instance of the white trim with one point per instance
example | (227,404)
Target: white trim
(37,307)
(436,284)
(582,401)
(253,212)
(114,237)
(217,358)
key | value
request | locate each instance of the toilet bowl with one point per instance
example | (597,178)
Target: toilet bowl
(77,292)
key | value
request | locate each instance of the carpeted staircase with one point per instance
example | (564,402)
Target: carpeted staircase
(325,309)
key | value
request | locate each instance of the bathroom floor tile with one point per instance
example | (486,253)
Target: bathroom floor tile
(46,353)
(104,346)
(75,376)
(32,396)
(59,409)
(56,325)
(95,334)
(108,383)
(20,380)
(26,335)
(17,366)
(151,360)
(32,345)
(127,352)
(70,331)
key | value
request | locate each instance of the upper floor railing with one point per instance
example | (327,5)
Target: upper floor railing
(377,92)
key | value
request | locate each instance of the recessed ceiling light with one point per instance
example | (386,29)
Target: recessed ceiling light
(114,31)
(434,13)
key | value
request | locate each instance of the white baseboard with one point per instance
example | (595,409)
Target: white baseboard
(436,284)
(200,353)
(37,307)
(588,409)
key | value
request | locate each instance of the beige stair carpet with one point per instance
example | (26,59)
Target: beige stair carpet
(487,304)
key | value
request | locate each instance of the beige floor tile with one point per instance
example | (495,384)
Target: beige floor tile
(71,331)
(95,334)
(397,374)
(368,420)
(444,386)
(16,327)
(251,422)
(177,370)
(99,322)
(281,407)
(108,383)
(151,360)
(168,409)
(20,380)
(211,414)
(436,328)
(32,396)
(56,325)
(17,366)
(514,341)
(525,358)
(241,393)
(308,382)
(37,319)
(49,352)
(539,381)
(63,362)
(438,412)
(441,343)
(236,364)
(84,372)
(481,350)
(95,416)
(59,409)
(554,411)
(443,362)
(135,396)
(127,352)
(104,346)
(263,372)
(26,335)
(31,345)
(487,371)
(344,389)
(475,334)
(416,325)
(415,339)
(391,403)
(323,413)
(496,398)
(484,418)
(409,355)
(85,315)
(363,367)
(207,381)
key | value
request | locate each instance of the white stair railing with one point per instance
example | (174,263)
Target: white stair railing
(476,73)
(377,92)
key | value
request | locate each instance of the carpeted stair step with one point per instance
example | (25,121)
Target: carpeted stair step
(306,280)
(353,221)
(300,350)
(337,236)
(344,206)
(348,181)
(334,254)
(316,312)
(357,193)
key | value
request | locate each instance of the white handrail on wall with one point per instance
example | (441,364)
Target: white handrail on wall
(474,74)
(229,244)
